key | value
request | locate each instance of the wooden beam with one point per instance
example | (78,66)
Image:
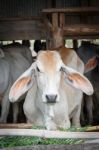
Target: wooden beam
(33,18)
(77,10)
(77,37)
(30,29)
(48,134)
(21,30)
(81,30)
(92,129)
(17,125)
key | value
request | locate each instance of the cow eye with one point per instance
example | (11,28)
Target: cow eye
(38,69)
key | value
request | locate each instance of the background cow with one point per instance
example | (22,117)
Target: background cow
(89,53)
(16,47)
(14,60)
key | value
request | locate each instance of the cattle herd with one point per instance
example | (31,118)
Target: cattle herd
(58,89)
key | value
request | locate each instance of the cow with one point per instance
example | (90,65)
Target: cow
(13,62)
(89,53)
(15,47)
(51,101)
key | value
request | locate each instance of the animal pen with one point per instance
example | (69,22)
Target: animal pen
(28,20)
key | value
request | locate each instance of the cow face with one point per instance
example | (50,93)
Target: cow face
(48,68)
(47,71)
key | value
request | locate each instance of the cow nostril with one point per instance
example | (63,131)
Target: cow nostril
(51,98)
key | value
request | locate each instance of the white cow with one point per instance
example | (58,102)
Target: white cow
(13,62)
(55,91)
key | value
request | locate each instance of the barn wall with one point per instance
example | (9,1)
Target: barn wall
(29,8)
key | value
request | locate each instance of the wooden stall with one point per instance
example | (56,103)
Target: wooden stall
(74,31)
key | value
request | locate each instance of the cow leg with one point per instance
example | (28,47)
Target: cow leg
(89,108)
(82,117)
(65,124)
(49,124)
(77,110)
(15,112)
(5,105)
(76,117)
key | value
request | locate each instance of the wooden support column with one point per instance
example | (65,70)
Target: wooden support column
(55,19)
(75,45)
(61,19)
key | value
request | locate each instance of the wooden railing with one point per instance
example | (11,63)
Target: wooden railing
(78,10)
(74,31)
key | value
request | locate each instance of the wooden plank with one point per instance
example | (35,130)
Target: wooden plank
(18,125)
(29,125)
(22,35)
(77,37)
(29,29)
(92,129)
(19,30)
(77,10)
(48,134)
(33,18)
(81,30)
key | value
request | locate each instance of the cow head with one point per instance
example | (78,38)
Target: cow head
(48,71)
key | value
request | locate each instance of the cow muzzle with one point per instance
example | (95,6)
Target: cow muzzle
(51,99)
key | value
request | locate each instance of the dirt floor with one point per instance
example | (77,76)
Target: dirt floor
(91,146)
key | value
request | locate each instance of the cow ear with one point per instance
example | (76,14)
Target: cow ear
(77,80)
(90,65)
(22,84)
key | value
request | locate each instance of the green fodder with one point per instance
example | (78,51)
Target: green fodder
(26,141)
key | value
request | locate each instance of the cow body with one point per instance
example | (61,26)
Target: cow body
(12,65)
(51,102)
(15,47)
(68,107)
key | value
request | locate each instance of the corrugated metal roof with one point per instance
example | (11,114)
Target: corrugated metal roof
(25,8)
(67,3)
(22,7)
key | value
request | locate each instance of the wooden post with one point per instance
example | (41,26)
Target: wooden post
(55,19)
(75,44)
(62,19)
